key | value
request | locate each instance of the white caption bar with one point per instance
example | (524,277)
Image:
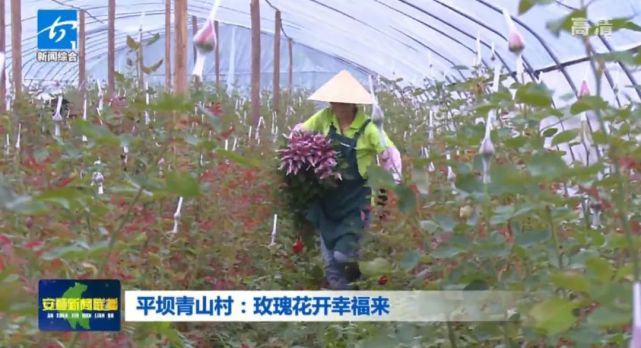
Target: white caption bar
(256,306)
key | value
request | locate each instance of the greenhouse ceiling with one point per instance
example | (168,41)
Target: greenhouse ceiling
(412,39)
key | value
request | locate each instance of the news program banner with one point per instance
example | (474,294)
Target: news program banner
(79,305)
(257,306)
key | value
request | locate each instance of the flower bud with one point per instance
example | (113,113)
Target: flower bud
(487,147)
(205,38)
(585,89)
(515,41)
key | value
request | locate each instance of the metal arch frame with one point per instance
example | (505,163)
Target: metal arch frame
(69,68)
(529,69)
(442,33)
(360,22)
(453,27)
(289,25)
(607,45)
(409,37)
(559,64)
(409,66)
(403,43)
(269,20)
(540,40)
(433,51)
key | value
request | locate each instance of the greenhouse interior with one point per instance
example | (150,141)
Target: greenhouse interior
(320,173)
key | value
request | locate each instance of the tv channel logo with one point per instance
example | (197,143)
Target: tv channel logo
(57,29)
(79,305)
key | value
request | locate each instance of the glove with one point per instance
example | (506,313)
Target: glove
(392,163)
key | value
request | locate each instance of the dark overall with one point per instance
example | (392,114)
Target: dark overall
(341,215)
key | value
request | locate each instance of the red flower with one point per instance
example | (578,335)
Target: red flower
(216,109)
(4,240)
(382,280)
(33,244)
(28,221)
(298,246)
(64,182)
(226,134)
(628,162)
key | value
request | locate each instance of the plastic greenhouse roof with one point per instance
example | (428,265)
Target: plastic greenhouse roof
(412,39)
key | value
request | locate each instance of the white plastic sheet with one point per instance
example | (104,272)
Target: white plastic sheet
(389,37)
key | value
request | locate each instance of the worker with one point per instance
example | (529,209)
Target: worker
(342,214)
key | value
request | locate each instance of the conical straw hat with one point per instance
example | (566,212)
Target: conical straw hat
(342,88)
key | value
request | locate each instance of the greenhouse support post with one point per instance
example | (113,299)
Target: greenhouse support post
(217,55)
(180,32)
(16,47)
(111,48)
(83,52)
(276,84)
(255,62)
(3,86)
(168,45)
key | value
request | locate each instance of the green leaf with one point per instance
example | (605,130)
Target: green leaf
(606,317)
(483,109)
(547,165)
(446,252)
(526,5)
(570,280)
(378,341)
(100,134)
(429,226)
(410,260)
(620,56)
(445,222)
(132,43)
(599,267)
(380,178)
(119,77)
(565,136)
(406,199)
(232,156)
(171,103)
(549,132)
(502,214)
(421,179)
(65,196)
(534,94)
(623,23)
(590,102)
(612,294)
(153,39)
(565,23)
(40,154)
(476,285)
(152,68)
(377,267)
(182,184)
(532,237)
(76,251)
(554,315)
